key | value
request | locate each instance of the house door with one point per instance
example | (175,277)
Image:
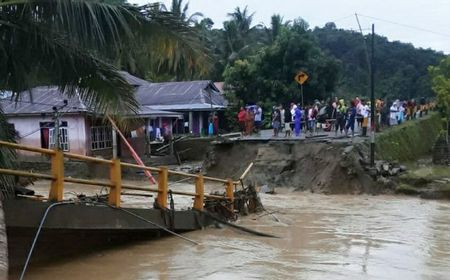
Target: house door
(45,133)
(48,135)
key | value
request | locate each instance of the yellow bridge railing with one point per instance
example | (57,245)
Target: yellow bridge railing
(115,184)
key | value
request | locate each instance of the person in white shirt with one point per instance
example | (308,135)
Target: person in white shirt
(393,116)
(293,108)
(282,115)
(365,110)
(258,117)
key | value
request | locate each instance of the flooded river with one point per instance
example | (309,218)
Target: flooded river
(321,237)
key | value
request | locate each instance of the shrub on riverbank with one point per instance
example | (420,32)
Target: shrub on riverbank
(409,141)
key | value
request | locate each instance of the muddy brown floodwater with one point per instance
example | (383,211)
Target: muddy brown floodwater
(322,237)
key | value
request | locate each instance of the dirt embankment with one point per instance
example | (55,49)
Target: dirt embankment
(328,167)
(331,168)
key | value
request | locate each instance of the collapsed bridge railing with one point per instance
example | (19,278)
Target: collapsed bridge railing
(114,183)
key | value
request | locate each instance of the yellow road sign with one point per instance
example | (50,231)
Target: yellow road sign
(301,77)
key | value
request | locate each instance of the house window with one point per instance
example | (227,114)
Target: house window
(101,137)
(63,138)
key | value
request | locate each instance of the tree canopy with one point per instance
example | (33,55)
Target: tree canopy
(259,62)
(440,75)
(79,45)
(400,69)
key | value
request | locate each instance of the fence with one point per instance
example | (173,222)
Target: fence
(115,184)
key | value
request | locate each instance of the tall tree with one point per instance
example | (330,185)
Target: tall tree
(440,75)
(35,48)
(268,76)
(160,58)
(181,12)
(400,69)
(74,44)
(237,32)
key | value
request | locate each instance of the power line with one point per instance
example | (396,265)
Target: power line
(33,132)
(407,26)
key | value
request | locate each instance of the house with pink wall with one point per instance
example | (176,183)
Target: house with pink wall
(33,117)
(178,107)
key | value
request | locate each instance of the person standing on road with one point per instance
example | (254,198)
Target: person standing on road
(340,116)
(401,112)
(250,121)
(312,114)
(216,123)
(393,115)
(282,117)
(241,119)
(297,120)
(365,110)
(210,125)
(276,122)
(293,107)
(258,118)
(351,115)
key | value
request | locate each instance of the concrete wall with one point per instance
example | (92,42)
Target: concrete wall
(29,131)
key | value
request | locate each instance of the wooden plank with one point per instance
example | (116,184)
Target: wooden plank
(133,152)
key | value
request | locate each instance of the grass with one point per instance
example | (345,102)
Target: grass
(410,140)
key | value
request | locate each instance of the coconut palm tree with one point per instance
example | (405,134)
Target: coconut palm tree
(181,12)
(75,44)
(237,33)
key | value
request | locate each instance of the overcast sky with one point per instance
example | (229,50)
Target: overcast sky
(432,17)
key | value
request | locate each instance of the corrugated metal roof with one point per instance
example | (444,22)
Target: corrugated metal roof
(41,100)
(170,96)
(198,94)
(133,80)
(187,107)
(145,111)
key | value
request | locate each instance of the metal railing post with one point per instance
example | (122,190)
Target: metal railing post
(163,178)
(230,193)
(57,170)
(199,192)
(116,181)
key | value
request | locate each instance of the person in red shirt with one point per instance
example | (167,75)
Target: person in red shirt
(241,118)
(216,124)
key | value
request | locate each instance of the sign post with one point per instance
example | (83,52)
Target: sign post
(301,78)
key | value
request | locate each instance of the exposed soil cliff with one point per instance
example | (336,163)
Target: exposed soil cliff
(331,168)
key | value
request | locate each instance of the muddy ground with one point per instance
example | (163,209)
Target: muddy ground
(330,168)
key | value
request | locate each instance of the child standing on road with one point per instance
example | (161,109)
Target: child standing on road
(287,130)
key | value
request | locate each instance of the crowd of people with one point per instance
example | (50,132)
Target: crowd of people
(346,118)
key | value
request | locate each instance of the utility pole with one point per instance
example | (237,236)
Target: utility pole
(372,101)
(56,116)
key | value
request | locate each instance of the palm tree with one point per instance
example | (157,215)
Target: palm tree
(181,12)
(75,44)
(276,25)
(178,10)
(237,31)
